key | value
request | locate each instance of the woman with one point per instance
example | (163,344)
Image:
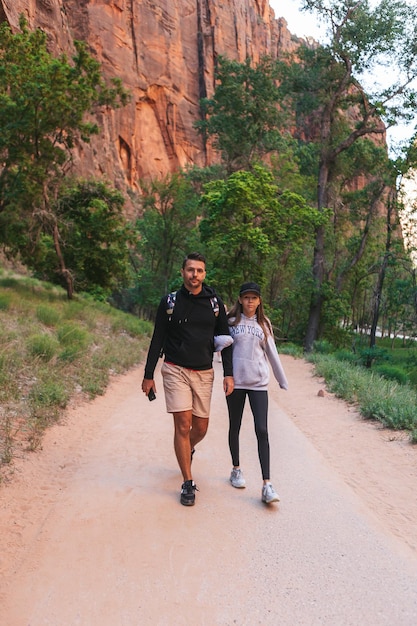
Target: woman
(253,347)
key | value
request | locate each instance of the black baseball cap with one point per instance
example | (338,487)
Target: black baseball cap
(250,287)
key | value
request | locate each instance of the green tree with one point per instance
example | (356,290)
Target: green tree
(95,238)
(167,231)
(43,105)
(250,226)
(334,110)
(242,117)
(399,313)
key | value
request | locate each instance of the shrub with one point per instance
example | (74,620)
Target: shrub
(370,356)
(323,347)
(70,353)
(338,337)
(342,379)
(291,349)
(42,346)
(5,300)
(378,398)
(83,311)
(394,406)
(48,394)
(412,377)
(73,335)
(346,355)
(411,359)
(9,282)
(47,315)
(392,372)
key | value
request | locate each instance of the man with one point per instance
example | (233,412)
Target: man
(185,328)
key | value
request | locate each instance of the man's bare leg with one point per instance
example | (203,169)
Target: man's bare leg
(198,430)
(182,446)
(189,431)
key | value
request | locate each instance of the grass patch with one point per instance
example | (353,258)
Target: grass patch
(73,335)
(47,315)
(50,349)
(134,326)
(42,346)
(8,432)
(95,381)
(392,372)
(50,394)
(4,301)
(291,349)
(391,403)
(85,311)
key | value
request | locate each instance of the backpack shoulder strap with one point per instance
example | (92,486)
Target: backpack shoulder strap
(215,305)
(171,298)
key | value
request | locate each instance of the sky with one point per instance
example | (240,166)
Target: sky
(299,23)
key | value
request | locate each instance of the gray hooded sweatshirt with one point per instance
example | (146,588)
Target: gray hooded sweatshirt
(251,355)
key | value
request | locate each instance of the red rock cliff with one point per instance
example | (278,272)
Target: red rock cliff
(164,52)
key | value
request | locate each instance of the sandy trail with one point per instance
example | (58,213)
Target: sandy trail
(92,532)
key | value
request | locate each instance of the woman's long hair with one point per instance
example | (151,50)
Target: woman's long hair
(263,321)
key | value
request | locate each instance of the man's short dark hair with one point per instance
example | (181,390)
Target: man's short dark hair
(194,256)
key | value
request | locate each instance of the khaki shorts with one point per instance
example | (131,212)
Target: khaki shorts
(187,390)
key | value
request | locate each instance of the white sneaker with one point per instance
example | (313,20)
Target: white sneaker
(236,478)
(269,494)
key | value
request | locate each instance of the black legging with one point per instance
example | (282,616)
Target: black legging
(258,401)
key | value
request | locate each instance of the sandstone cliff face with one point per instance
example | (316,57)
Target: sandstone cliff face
(164,52)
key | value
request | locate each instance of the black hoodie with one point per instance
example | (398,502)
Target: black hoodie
(186,337)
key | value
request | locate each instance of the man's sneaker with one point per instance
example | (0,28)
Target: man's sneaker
(269,494)
(236,478)
(188,493)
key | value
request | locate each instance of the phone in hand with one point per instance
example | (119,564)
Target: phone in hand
(151,395)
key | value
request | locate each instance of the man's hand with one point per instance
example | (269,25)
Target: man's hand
(228,385)
(147,385)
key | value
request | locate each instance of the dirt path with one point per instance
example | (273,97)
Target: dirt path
(92,532)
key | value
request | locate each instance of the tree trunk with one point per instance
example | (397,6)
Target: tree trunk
(65,273)
(382,272)
(317,298)
(51,219)
(316,301)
